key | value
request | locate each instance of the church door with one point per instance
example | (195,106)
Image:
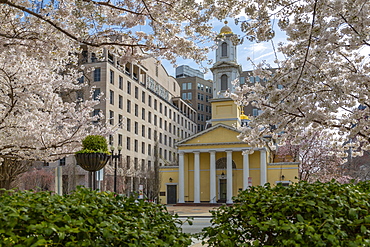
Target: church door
(222,192)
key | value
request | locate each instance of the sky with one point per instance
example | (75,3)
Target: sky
(257,52)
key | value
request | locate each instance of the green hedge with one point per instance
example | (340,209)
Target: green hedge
(85,218)
(303,214)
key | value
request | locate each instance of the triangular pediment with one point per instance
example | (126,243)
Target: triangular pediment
(221,64)
(219,133)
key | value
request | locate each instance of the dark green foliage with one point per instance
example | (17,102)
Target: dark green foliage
(85,218)
(94,144)
(318,214)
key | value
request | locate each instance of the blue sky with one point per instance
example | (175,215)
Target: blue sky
(258,52)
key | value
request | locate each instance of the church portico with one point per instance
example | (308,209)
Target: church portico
(224,168)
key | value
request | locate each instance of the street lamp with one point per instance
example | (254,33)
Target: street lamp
(116,157)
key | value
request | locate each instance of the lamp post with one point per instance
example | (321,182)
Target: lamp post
(116,157)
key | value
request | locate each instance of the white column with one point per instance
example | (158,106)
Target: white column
(245,170)
(196,178)
(229,177)
(212,177)
(181,178)
(263,167)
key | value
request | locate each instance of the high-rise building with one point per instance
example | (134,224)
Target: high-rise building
(186,71)
(197,92)
(144,103)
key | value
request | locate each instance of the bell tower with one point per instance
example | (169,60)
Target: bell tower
(225,69)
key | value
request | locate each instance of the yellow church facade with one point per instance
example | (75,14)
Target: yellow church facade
(214,165)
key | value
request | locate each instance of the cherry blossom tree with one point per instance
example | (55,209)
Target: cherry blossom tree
(39,61)
(323,81)
(319,157)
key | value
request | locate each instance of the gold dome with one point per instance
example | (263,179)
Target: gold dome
(242,116)
(226,29)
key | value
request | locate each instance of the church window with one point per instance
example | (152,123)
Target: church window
(224,49)
(224,82)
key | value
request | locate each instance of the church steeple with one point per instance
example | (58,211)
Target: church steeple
(225,69)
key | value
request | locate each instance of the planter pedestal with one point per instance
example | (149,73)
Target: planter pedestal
(92,162)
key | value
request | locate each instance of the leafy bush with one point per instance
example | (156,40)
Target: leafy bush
(85,218)
(94,144)
(303,214)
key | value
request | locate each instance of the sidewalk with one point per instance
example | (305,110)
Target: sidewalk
(191,211)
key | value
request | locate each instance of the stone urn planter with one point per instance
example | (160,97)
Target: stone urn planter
(92,162)
(93,157)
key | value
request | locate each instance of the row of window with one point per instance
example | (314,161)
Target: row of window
(207,108)
(188,86)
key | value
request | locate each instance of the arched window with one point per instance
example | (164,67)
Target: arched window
(221,164)
(224,82)
(224,49)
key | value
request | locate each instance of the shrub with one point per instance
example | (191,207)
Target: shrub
(94,144)
(85,218)
(303,214)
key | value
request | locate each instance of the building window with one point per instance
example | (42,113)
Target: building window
(149,101)
(128,106)
(143,113)
(155,104)
(136,110)
(97,74)
(160,107)
(224,49)
(149,149)
(120,121)
(136,127)
(160,137)
(111,117)
(128,144)
(112,77)
(190,96)
(128,87)
(149,165)
(111,97)
(62,161)
(143,165)
(184,86)
(96,94)
(143,97)
(128,162)
(136,146)
(136,92)
(169,127)
(160,122)
(119,140)
(143,147)
(96,112)
(184,96)
(128,124)
(110,140)
(165,125)
(149,116)
(149,133)
(135,163)
(224,82)
(120,82)
(143,130)
(155,120)
(120,101)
